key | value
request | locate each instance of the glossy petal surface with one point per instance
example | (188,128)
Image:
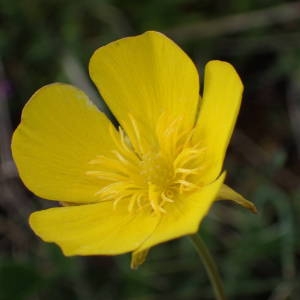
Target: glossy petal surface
(93,229)
(100,229)
(60,132)
(143,77)
(218,113)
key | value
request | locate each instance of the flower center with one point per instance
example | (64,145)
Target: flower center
(155,170)
(149,178)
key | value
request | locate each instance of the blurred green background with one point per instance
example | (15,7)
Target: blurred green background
(258,255)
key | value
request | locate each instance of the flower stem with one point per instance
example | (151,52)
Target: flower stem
(209,265)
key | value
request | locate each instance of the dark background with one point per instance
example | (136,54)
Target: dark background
(258,255)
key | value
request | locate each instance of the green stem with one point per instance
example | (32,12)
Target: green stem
(209,265)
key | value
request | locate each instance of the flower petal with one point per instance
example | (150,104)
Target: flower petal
(218,112)
(100,229)
(143,77)
(185,217)
(93,229)
(60,132)
(227,193)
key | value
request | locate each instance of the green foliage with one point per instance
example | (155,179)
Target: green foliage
(258,255)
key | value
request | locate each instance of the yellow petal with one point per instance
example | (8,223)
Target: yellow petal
(99,229)
(184,217)
(93,229)
(144,76)
(218,112)
(138,258)
(60,132)
(227,193)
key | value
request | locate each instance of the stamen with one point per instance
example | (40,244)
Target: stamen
(153,196)
(165,198)
(123,149)
(115,203)
(188,171)
(149,180)
(137,135)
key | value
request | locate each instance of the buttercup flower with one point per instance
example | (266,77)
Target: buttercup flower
(152,179)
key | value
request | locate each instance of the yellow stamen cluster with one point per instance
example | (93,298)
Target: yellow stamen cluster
(150,177)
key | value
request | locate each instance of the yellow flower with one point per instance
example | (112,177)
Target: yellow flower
(149,181)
